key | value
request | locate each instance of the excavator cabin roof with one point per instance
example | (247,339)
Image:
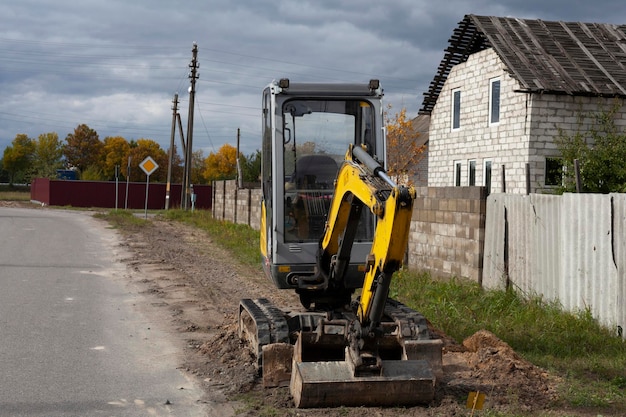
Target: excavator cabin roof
(285,87)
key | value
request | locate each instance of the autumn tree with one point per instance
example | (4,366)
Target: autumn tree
(177,165)
(115,151)
(197,167)
(17,158)
(403,149)
(143,149)
(47,156)
(83,148)
(221,165)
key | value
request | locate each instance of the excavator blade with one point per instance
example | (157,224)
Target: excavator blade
(331,384)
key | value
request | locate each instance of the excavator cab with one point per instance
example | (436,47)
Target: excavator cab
(307,129)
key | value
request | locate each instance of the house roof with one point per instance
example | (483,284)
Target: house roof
(421,124)
(544,57)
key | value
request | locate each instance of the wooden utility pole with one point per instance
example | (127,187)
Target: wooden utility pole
(171,153)
(239,173)
(193,75)
(184,151)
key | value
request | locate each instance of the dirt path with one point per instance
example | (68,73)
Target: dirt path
(196,287)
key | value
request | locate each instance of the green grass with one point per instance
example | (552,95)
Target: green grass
(122,219)
(239,239)
(591,358)
(14,193)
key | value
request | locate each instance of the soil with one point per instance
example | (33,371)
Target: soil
(200,285)
(195,287)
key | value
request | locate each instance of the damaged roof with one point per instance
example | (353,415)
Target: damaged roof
(544,57)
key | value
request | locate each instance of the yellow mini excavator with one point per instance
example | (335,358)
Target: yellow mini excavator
(334,228)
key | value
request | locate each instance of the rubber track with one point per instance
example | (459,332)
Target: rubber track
(271,324)
(410,320)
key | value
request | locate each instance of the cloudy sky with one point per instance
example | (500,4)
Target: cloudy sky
(115,65)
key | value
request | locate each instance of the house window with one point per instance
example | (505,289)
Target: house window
(457,174)
(456,109)
(554,171)
(471,173)
(494,101)
(487,176)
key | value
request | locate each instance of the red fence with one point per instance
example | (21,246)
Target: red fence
(102,194)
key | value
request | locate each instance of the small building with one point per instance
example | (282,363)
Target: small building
(505,87)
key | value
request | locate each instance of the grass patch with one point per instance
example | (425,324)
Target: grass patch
(241,240)
(122,219)
(253,402)
(14,193)
(590,357)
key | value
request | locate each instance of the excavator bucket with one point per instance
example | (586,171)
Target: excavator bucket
(331,383)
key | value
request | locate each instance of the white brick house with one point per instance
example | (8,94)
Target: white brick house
(504,88)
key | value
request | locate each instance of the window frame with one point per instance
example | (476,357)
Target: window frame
(493,103)
(561,167)
(471,172)
(455,117)
(457,169)
(487,174)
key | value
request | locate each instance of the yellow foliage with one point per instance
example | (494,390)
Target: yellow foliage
(145,148)
(116,150)
(403,149)
(221,165)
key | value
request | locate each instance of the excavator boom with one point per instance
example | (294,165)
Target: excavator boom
(363,181)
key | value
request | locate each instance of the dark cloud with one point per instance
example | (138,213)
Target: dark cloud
(115,65)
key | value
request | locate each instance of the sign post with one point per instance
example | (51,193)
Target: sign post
(148,166)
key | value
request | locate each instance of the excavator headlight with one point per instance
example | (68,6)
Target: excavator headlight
(283,83)
(374,84)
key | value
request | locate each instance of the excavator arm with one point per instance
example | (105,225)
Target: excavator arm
(362,181)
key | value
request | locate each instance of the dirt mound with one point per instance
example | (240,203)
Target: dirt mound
(505,376)
(233,361)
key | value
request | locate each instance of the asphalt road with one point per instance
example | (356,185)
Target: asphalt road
(72,342)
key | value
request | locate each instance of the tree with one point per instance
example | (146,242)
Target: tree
(47,156)
(177,166)
(197,167)
(250,166)
(83,148)
(600,149)
(221,165)
(115,151)
(403,149)
(18,157)
(143,149)
(92,173)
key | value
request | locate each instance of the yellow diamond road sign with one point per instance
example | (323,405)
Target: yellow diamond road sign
(148,166)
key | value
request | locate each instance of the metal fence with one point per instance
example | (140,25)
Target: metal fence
(569,248)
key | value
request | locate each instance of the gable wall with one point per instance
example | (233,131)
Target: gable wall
(525,134)
(503,143)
